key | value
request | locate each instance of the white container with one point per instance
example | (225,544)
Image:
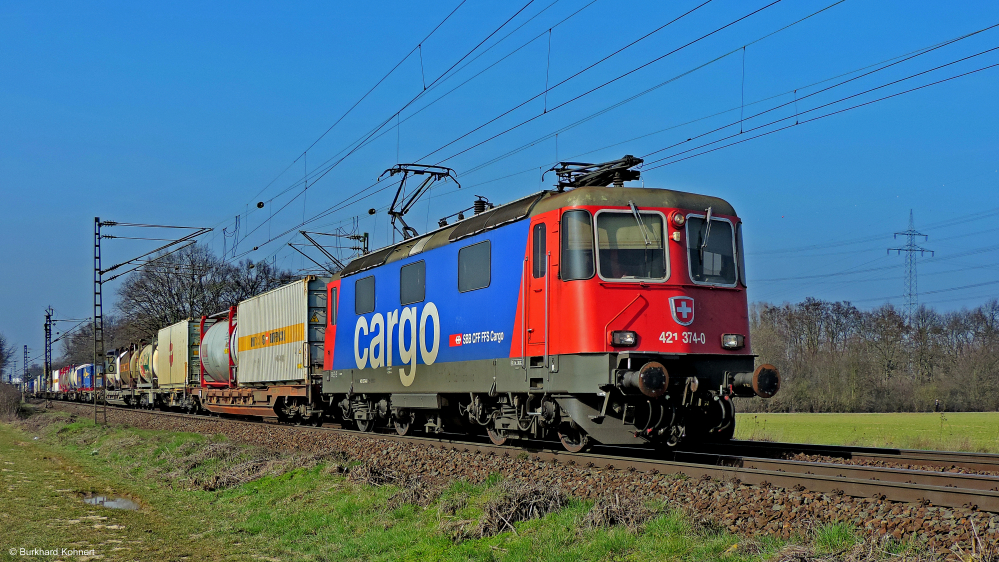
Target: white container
(282,332)
(145,365)
(216,347)
(178,355)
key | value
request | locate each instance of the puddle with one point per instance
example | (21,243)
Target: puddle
(113,503)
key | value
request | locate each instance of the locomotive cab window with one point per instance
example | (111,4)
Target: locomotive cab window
(540,244)
(364,295)
(577,246)
(711,251)
(474,267)
(630,246)
(413,283)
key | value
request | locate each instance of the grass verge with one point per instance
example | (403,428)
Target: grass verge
(944,431)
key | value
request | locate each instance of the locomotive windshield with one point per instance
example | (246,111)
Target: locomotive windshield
(711,252)
(629,248)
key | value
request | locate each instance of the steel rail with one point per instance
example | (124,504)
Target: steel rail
(986,462)
(945,489)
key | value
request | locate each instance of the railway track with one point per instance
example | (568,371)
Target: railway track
(927,487)
(982,462)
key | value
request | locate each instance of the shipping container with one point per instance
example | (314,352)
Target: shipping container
(65,379)
(133,364)
(217,348)
(145,365)
(123,364)
(178,360)
(282,332)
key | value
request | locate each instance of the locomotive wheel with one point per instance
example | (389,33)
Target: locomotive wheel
(366,425)
(573,438)
(727,433)
(498,436)
(402,427)
(404,424)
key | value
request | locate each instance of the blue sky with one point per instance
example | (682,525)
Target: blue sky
(183,113)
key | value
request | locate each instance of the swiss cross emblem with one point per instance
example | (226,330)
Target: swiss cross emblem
(682,309)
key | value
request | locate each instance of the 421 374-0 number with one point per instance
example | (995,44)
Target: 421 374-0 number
(685,337)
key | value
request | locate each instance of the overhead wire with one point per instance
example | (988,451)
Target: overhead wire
(590,91)
(618,104)
(847,81)
(673,158)
(564,103)
(358,144)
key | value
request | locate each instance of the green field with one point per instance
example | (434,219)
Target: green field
(950,431)
(197,503)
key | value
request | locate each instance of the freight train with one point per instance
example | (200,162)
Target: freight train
(591,313)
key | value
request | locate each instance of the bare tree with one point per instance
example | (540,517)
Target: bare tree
(6,353)
(836,358)
(78,345)
(189,284)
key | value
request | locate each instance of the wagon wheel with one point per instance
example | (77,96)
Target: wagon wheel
(573,438)
(498,436)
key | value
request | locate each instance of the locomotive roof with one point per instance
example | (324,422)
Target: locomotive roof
(532,205)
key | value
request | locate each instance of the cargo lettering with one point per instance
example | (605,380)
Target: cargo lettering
(288,334)
(269,338)
(412,336)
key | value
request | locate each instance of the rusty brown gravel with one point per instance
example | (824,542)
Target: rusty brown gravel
(741,509)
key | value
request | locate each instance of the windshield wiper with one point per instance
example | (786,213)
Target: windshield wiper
(707,233)
(638,219)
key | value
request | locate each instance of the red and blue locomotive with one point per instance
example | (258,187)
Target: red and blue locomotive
(594,312)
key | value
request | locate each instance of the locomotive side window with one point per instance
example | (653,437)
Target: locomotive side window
(364,295)
(413,283)
(540,244)
(577,246)
(630,247)
(474,267)
(711,252)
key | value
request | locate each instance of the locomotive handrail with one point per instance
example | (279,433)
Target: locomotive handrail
(548,277)
(523,321)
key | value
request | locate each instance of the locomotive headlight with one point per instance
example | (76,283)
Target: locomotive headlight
(623,338)
(678,220)
(733,341)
